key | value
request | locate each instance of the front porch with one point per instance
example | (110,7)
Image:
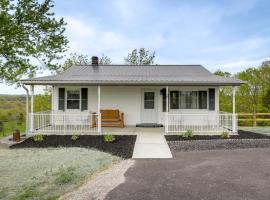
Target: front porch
(53,123)
(77,110)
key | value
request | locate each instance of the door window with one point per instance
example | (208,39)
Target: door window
(149,100)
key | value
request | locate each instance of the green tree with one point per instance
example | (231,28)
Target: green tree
(104,60)
(225,93)
(42,103)
(75,59)
(250,92)
(266,100)
(31,38)
(140,57)
(82,59)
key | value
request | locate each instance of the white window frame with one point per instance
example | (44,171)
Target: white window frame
(73,89)
(192,90)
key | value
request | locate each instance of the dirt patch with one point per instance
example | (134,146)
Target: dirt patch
(123,145)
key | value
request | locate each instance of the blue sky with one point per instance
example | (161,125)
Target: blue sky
(230,35)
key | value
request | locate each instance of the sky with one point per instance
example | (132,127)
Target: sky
(229,35)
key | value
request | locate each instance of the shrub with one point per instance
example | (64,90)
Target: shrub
(38,138)
(188,134)
(225,135)
(74,137)
(64,176)
(109,138)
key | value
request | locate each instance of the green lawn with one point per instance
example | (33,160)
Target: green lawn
(9,126)
(258,129)
(48,173)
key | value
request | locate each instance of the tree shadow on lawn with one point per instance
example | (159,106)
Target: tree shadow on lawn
(123,145)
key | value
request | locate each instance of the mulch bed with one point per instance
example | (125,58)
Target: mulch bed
(241,135)
(123,145)
(244,139)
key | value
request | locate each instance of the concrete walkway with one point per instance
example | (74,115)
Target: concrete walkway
(151,145)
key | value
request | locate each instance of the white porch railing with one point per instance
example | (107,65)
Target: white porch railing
(201,123)
(62,123)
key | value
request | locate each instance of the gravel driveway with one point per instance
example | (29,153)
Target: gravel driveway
(218,174)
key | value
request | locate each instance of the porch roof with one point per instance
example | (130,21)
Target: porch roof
(135,75)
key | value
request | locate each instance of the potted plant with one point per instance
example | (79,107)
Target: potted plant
(16,135)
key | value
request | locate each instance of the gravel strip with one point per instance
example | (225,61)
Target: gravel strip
(198,145)
(99,186)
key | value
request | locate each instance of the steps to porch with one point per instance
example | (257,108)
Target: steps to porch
(151,145)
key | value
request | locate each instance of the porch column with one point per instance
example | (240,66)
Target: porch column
(234,116)
(26,109)
(167,110)
(99,115)
(52,99)
(32,110)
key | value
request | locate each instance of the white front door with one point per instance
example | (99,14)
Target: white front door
(149,111)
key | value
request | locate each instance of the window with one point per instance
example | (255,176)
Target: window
(61,99)
(202,99)
(84,102)
(149,100)
(174,99)
(73,99)
(188,99)
(211,98)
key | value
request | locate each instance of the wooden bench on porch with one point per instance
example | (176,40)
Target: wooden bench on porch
(110,118)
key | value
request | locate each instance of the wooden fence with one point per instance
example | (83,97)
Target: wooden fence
(247,119)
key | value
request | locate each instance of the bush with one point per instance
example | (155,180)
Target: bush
(38,138)
(74,137)
(225,135)
(109,138)
(188,134)
(64,176)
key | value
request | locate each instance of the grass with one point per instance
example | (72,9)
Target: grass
(259,129)
(48,173)
(9,126)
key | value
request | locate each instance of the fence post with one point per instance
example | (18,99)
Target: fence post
(64,123)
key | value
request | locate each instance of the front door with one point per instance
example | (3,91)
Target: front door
(149,113)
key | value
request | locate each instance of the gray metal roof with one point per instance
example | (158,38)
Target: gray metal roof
(134,75)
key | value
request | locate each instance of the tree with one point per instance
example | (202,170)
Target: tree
(225,93)
(222,73)
(266,100)
(30,38)
(82,59)
(140,57)
(265,76)
(250,92)
(104,60)
(75,59)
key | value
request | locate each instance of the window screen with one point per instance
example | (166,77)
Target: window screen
(84,102)
(202,99)
(149,100)
(211,98)
(61,99)
(188,99)
(174,99)
(73,99)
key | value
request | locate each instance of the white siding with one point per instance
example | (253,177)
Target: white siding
(128,99)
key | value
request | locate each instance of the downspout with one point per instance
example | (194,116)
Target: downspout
(27,109)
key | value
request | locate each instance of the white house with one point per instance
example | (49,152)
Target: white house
(177,97)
